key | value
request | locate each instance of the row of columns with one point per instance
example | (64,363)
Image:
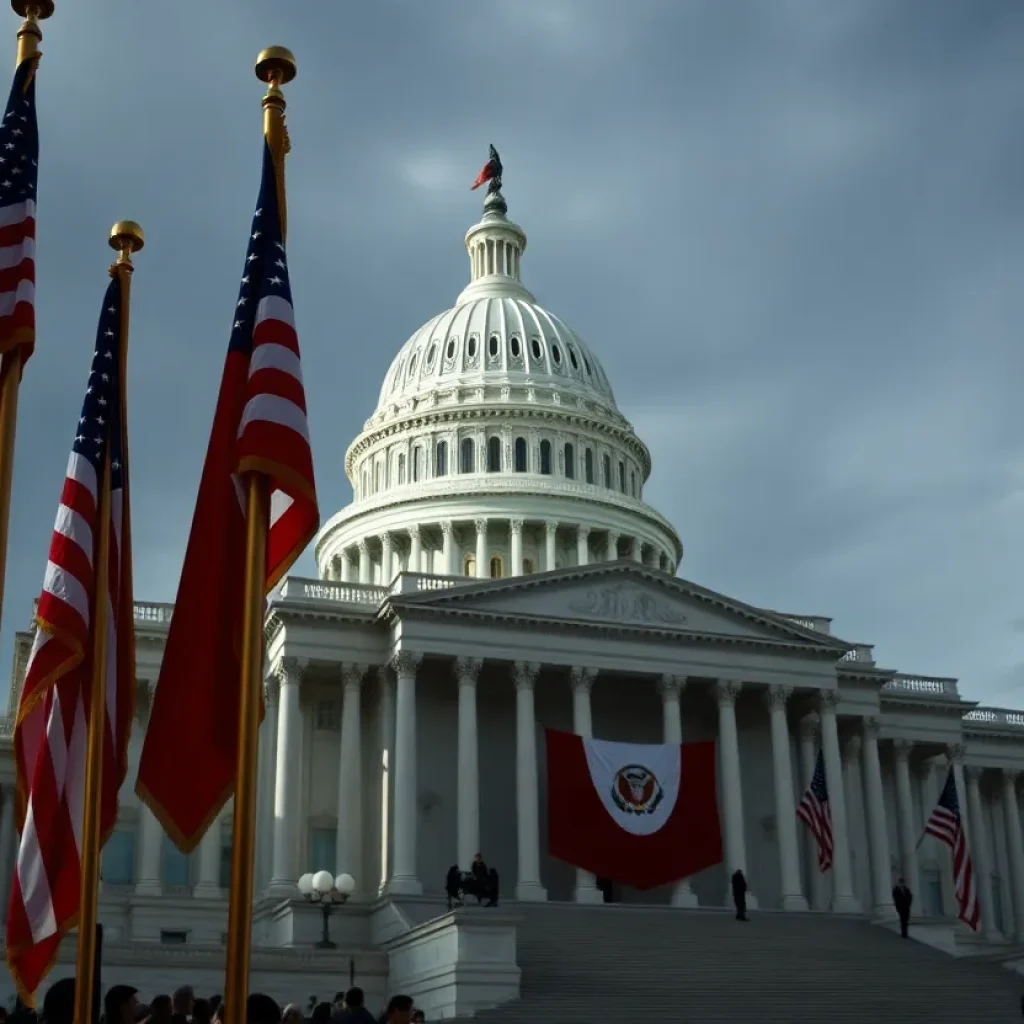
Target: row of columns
(419,558)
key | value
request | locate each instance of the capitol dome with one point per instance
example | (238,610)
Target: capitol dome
(496,447)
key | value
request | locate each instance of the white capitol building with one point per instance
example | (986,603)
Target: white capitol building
(499,571)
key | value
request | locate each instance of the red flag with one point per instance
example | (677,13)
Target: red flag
(641,815)
(488,171)
(52,724)
(187,767)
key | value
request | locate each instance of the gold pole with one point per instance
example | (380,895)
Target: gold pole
(125,236)
(29,37)
(275,66)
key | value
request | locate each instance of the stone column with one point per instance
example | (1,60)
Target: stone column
(981,852)
(386,775)
(636,550)
(344,566)
(582,682)
(857,821)
(349,837)
(1011,813)
(785,803)
(550,535)
(1001,856)
(483,569)
(611,550)
(905,815)
(528,886)
(387,559)
(287,779)
(8,853)
(404,878)
(582,545)
(671,690)
(934,780)
(467,671)
(516,546)
(817,881)
(726,692)
(151,833)
(268,766)
(843,900)
(208,885)
(448,549)
(364,562)
(415,549)
(878,835)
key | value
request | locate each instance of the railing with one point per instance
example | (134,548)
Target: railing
(923,686)
(819,623)
(862,653)
(365,594)
(153,614)
(417,582)
(996,716)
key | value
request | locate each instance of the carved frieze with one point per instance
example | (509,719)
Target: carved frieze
(623,602)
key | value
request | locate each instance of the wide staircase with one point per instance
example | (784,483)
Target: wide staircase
(584,965)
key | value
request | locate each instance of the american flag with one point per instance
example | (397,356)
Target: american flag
(815,813)
(19,159)
(259,427)
(50,731)
(946,826)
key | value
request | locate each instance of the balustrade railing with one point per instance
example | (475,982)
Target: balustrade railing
(923,686)
(148,613)
(996,716)
(862,653)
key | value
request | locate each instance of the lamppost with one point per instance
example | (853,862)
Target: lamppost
(323,888)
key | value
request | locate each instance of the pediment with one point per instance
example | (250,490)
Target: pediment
(624,597)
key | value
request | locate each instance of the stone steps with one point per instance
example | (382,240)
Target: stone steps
(586,964)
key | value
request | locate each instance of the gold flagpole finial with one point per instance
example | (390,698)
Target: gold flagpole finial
(276,67)
(126,237)
(30,35)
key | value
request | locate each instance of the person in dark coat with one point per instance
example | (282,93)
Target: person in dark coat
(902,899)
(739,894)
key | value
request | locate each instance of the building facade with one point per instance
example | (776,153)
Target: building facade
(499,571)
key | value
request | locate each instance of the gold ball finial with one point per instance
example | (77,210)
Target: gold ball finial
(276,62)
(126,236)
(39,9)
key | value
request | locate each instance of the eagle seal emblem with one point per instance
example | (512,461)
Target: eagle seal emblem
(636,790)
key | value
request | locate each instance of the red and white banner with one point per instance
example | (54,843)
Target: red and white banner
(639,814)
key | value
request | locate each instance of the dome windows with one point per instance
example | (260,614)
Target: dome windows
(556,354)
(515,347)
(431,354)
(492,346)
(606,470)
(545,457)
(570,462)
(497,567)
(494,454)
(586,365)
(520,454)
(471,347)
(572,357)
(412,367)
(535,348)
(588,465)
(449,352)
(467,456)
(417,464)
(442,459)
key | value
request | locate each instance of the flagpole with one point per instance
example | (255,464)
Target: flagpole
(30,35)
(126,237)
(275,66)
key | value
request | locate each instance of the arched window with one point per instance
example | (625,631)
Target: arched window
(401,468)
(588,465)
(497,567)
(527,565)
(442,458)
(467,456)
(417,464)
(622,477)
(545,457)
(606,467)
(494,455)
(632,482)
(520,454)
(469,565)
(570,462)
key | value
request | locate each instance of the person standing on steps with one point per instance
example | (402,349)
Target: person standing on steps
(902,898)
(739,895)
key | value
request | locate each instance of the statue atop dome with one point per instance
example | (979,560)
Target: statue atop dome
(491,174)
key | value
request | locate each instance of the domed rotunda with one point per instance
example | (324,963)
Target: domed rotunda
(496,448)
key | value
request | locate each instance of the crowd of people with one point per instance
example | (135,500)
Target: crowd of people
(121,1005)
(479,881)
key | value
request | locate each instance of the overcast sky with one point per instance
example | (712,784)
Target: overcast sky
(792,230)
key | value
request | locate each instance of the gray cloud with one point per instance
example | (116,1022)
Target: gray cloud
(790,229)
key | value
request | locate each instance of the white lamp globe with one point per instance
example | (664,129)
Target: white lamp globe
(306,884)
(323,882)
(345,884)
